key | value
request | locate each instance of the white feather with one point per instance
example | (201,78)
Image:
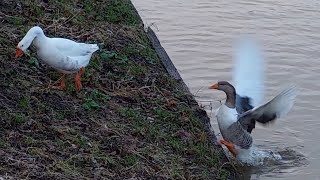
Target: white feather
(62,54)
(248,71)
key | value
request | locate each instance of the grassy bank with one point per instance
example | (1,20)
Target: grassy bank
(129,120)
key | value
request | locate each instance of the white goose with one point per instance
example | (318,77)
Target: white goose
(238,115)
(62,54)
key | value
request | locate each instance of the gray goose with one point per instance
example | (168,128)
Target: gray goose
(236,128)
(243,106)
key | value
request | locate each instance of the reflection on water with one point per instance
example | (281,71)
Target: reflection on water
(198,37)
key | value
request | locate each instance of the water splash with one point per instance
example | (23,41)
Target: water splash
(253,156)
(261,161)
(256,157)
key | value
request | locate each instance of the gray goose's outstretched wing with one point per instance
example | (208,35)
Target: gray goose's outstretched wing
(278,107)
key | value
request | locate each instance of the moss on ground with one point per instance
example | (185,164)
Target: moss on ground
(130,119)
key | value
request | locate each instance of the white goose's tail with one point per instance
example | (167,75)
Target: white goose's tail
(92,47)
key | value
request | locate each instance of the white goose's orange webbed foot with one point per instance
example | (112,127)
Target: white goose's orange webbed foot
(77,79)
(230,146)
(62,81)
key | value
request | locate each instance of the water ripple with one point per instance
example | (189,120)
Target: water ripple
(198,36)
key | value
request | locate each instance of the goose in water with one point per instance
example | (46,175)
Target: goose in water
(242,109)
(236,127)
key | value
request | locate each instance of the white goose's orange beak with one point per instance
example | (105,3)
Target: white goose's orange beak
(19,53)
(215,86)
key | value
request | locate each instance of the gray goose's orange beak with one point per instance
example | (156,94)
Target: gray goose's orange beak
(215,86)
(19,53)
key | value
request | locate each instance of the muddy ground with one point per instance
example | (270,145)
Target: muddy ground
(130,120)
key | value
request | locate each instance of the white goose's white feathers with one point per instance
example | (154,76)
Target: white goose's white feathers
(62,54)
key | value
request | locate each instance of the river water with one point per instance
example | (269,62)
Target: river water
(198,36)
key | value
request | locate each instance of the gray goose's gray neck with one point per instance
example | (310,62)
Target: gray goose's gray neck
(231,96)
(231,101)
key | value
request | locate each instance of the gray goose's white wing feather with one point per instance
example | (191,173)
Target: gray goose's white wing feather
(248,74)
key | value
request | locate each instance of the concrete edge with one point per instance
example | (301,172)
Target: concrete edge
(173,72)
(171,69)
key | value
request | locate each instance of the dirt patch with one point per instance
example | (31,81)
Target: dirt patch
(130,120)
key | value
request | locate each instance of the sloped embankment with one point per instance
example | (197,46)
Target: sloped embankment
(131,119)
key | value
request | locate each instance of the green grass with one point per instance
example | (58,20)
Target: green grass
(129,113)
(120,11)
(67,168)
(91,102)
(108,56)
(82,141)
(60,115)
(19,118)
(145,51)
(29,141)
(137,70)
(131,159)
(25,102)
(3,143)
(16,20)
(164,115)
(176,144)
